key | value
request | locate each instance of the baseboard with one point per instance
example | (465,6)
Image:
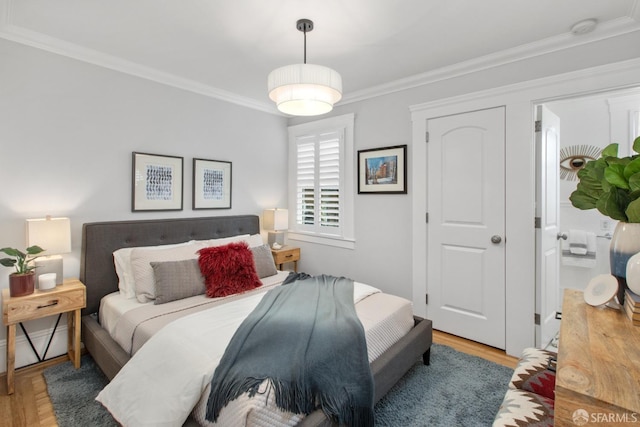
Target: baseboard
(25,355)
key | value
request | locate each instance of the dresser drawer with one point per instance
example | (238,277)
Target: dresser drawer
(43,304)
(286,255)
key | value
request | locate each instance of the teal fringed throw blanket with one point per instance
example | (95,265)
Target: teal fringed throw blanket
(306,339)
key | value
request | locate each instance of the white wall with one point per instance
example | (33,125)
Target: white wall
(383,254)
(67,131)
(391,242)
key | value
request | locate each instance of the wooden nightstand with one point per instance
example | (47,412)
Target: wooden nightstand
(286,254)
(70,298)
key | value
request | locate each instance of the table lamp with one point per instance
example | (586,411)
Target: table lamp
(54,236)
(275,221)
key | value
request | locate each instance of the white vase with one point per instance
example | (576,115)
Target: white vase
(633,273)
(624,244)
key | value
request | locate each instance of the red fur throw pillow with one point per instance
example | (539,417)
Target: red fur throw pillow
(228,269)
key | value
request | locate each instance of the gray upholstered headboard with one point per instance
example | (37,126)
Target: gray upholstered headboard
(101,239)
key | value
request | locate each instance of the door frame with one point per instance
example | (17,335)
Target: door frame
(520,100)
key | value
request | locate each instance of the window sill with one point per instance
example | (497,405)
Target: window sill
(338,242)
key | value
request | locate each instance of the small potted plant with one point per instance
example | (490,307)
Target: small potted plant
(22,282)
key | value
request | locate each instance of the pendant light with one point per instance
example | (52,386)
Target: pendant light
(304,89)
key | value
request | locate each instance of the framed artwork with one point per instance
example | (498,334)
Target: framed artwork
(211,184)
(157,183)
(383,170)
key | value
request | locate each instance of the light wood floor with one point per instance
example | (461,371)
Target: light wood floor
(30,404)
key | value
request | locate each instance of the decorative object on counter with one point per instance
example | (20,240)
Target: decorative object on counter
(22,282)
(602,290)
(211,184)
(383,170)
(633,273)
(304,89)
(46,281)
(632,306)
(624,244)
(611,184)
(156,183)
(55,235)
(275,221)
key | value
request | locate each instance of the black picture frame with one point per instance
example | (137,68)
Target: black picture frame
(156,182)
(212,181)
(383,170)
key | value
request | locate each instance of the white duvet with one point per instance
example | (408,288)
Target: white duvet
(168,377)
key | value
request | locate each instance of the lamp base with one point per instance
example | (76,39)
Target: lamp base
(49,264)
(275,237)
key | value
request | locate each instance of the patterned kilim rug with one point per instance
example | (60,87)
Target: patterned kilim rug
(455,390)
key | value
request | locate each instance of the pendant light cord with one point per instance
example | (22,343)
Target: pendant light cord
(305,45)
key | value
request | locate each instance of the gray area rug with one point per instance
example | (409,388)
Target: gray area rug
(455,390)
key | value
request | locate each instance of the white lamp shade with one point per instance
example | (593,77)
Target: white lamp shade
(275,219)
(304,89)
(51,234)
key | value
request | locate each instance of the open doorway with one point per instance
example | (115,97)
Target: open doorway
(587,125)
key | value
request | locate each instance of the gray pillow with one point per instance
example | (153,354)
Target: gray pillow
(265,266)
(177,280)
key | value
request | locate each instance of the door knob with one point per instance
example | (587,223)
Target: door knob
(563,236)
(496,239)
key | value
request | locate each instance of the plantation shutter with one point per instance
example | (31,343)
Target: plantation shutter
(318,182)
(329,179)
(306,181)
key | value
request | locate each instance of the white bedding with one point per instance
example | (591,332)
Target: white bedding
(131,323)
(170,375)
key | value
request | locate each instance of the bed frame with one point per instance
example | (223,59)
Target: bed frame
(97,272)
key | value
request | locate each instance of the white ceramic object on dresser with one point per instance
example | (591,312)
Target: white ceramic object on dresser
(633,273)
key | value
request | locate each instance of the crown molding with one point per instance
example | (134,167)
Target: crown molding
(594,72)
(12,32)
(41,41)
(542,47)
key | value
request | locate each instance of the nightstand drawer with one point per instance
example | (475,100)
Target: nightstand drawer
(286,255)
(43,304)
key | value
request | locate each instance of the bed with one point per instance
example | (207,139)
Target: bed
(101,239)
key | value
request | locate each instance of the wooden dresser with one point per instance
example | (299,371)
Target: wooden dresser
(598,365)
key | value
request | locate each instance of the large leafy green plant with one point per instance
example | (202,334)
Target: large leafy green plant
(21,260)
(611,184)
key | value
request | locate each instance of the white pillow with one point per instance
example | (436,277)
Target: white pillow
(122,261)
(141,259)
(225,240)
(255,240)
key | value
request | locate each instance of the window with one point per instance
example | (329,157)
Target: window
(321,181)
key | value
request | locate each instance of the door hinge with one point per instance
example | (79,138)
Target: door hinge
(537,222)
(538,125)
(426,299)
(536,318)
(426,217)
(426,137)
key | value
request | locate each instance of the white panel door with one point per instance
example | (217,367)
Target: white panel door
(466,242)
(548,214)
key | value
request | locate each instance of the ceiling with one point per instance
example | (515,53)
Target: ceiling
(226,49)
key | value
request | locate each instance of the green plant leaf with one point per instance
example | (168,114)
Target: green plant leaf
(12,252)
(632,168)
(8,262)
(35,249)
(610,150)
(582,200)
(609,205)
(634,184)
(614,175)
(636,145)
(633,211)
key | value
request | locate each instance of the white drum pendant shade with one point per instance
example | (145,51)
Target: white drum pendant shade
(304,89)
